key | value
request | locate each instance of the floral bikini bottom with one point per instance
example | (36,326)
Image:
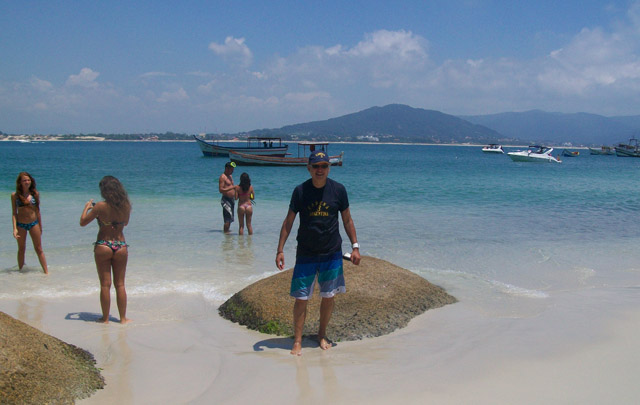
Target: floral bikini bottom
(115,245)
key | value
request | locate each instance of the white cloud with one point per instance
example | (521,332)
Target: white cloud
(40,85)
(86,78)
(399,44)
(155,74)
(173,96)
(307,97)
(233,50)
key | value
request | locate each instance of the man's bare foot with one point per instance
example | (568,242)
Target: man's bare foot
(102,320)
(296,350)
(125,320)
(324,343)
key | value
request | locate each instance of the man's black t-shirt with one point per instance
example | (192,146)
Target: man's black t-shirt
(319,231)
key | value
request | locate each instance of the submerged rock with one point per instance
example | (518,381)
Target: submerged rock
(36,368)
(381,297)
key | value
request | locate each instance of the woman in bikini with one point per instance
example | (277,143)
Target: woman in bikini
(245,196)
(110,251)
(25,207)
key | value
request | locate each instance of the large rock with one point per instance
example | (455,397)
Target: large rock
(36,368)
(381,297)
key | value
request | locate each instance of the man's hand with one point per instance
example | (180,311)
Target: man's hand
(355,256)
(280,260)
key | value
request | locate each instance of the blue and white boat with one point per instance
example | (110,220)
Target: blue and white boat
(535,153)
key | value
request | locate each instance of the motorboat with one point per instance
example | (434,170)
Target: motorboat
(493,148)
(630,149)
(535,153)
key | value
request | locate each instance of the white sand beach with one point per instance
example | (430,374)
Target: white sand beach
(178,350)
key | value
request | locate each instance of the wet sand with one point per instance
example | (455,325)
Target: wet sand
(179,350)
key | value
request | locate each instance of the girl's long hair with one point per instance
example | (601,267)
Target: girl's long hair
(245,182)
(32,189)
(114,194)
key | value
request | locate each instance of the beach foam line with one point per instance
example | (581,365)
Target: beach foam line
(518,291)
(500,286)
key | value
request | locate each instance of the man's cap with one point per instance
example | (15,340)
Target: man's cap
(230,164)
(317,157)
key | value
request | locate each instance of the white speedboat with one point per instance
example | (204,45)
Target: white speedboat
(535,153)
(493,148)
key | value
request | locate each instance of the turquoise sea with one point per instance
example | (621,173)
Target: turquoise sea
(509,239)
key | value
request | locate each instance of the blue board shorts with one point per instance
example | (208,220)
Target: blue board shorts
(327,268)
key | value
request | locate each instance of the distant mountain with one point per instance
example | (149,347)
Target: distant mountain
(392,123)
(557,128)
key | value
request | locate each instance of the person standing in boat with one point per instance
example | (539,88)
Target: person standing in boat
(228,191)
(25,210)
(319,252)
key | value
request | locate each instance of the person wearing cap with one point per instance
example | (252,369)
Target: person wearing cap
(228,191)
(319,252)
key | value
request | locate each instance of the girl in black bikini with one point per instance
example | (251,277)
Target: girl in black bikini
(110,251)
(25,209)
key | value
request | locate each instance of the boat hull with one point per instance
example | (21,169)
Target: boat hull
(622,152)
(212,150)
(244,159)
(601,151)
(532,157)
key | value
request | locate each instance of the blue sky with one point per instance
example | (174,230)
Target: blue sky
(230,66)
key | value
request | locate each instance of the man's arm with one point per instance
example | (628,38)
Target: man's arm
(350,229)
(284,234)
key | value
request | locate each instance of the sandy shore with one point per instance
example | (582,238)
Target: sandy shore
(178,350)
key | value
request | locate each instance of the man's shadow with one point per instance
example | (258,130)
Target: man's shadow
(87,317)
(285,343)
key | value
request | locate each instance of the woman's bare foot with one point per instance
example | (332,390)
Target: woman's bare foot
(324,343)
(296,350)
(125,320)
(102,320)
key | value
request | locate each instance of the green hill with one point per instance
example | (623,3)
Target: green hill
(391,123)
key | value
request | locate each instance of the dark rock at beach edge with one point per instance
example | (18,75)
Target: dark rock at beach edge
(381,297)
(36,368)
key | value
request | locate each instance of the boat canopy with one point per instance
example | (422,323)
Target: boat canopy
(265,140)
(312,146)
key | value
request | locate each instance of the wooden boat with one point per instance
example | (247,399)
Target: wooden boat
(255,146)
(630,149)
(304,149)
(570,153)
(604,150)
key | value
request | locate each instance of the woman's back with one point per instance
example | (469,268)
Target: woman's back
(111,221)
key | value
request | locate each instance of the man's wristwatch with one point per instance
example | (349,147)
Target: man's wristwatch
(355,246)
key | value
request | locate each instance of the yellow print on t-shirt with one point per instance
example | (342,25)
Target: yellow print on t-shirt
(318,209)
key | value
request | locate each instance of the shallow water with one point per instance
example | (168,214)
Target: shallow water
(504,237)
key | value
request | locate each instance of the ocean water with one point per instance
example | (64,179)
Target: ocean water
(506,238)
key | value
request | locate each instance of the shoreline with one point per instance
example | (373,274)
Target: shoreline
(27,139)
(179,350)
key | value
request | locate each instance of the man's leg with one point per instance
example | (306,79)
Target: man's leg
(299,315)
(326,309)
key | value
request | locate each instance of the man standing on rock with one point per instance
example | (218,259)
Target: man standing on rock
(227,189)
(319,251)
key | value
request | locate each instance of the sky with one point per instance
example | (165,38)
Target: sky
(214,66)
